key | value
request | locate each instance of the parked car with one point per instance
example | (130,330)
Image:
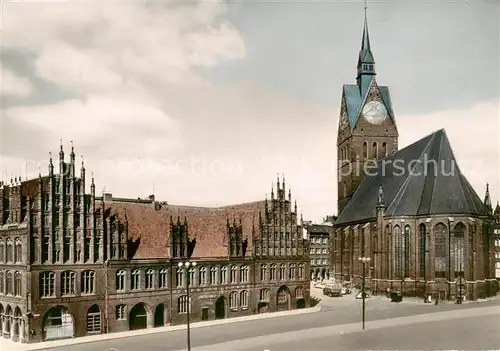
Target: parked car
(332,290)
(360,295)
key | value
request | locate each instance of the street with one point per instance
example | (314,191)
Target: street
(303,325)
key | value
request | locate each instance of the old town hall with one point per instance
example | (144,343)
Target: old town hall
(412,212)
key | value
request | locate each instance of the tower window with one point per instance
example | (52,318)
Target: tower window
(375,150)
(384,149)
(365,150)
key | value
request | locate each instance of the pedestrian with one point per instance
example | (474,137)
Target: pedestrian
(437,301)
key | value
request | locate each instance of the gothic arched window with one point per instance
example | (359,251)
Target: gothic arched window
(440,251)
(397,251)
(423,249)
(375,150)
(384,149)
(406,251)
(365,150)
(459,249)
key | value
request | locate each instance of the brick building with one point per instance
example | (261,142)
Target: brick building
(411,211)
(319,242)
(75,264)
(496,238)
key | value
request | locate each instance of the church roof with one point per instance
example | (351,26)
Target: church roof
(421,179)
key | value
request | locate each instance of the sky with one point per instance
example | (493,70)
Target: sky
(204,103)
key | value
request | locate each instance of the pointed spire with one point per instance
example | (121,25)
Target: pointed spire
(277,182)
(380,197)
(366,62)
(83,164)
(61,151)
(272,192)
(38,170)
(72,149)
(92,184)
(51,165)
(487,198)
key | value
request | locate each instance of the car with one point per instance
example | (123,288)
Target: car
(360,295)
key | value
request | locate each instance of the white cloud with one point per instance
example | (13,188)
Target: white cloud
(13,84)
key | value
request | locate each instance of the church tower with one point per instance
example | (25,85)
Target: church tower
(367,125)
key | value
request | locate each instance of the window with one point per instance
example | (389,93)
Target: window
(9,250)
(192,276)
(459,249)
(282,296)
(18,252)
(397,251)
(291,272)
(375,150)
(179,277)
(299,293)
(312,252)
(263,272)
(406,251)
(272,272)
(244,273)
(121,313)
(150,275)
(213,275)
(88,282)
(183,304)
(8,283)
(94,320)
(223,275)
(68,283)
(163,282)
(282,272)
(47,284)
(423,249)
(384,149)
(264,294)
(440,254)
(2,281)
(120,280)
(203,276)
(2,252)
(244,299)
(365,150)
(233,300)
(233,274)
(135,280)
(301,271)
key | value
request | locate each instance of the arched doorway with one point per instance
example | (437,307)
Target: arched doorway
(263,307)
(301,303)
(1,319)
(17,324)
(138,317)
(58,323)
(220,308)
(94,325)
(283,299)
(7,321)
(159,316)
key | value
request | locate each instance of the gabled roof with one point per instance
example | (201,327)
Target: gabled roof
(421,179)
(208,225)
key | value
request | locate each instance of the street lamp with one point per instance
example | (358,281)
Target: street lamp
(186,265)
(364,261)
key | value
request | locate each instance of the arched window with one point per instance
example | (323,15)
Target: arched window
(18,251)
(272,272)
(10,251)
(223,275)
(203,276)
(282,272)
(9,280)
(88,282)
(163,278)
(94,320)
(2,284)
(179,277)
(365,150)
(244,272)
(406,251)
(135,280)
(150,278)
(263,272)
(68,283)
(192,276)
(301,271)
(440,251)
(375,150)
(233,300)
(299,293)
(184,304)
(459,249)
(47,284)
(384,149)
(397,251)
(234,274)
(213,275)
(291,272)
(2,251)
(244,299)
(120,280)
(264,294)
(422,233)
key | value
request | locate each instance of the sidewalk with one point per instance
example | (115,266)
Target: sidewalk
(8,345)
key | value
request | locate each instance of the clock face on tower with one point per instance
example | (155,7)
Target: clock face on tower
(374,112)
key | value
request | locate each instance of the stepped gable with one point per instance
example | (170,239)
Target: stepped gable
(422,179)
(207,225)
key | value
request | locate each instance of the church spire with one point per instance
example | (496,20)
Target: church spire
(487,198)
(366,62)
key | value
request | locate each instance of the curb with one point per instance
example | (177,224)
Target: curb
(129,334)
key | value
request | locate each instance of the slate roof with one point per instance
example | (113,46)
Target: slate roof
(431,189)
(207,225)
(318,228)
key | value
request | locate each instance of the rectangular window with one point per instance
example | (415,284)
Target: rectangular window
(120,313)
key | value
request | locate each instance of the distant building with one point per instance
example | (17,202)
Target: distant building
(319,241)
(75,264)
(496,235)
(412,211)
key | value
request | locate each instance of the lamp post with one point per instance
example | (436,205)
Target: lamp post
(186,265)
(364,261)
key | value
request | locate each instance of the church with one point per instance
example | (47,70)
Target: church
(409,221)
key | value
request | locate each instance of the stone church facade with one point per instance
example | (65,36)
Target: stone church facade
(411,211)
(75,264)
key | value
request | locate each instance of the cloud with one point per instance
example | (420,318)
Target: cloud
(13,84)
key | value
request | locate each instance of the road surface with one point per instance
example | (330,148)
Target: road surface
(303,325)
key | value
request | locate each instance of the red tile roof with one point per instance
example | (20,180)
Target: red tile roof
(207,225)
